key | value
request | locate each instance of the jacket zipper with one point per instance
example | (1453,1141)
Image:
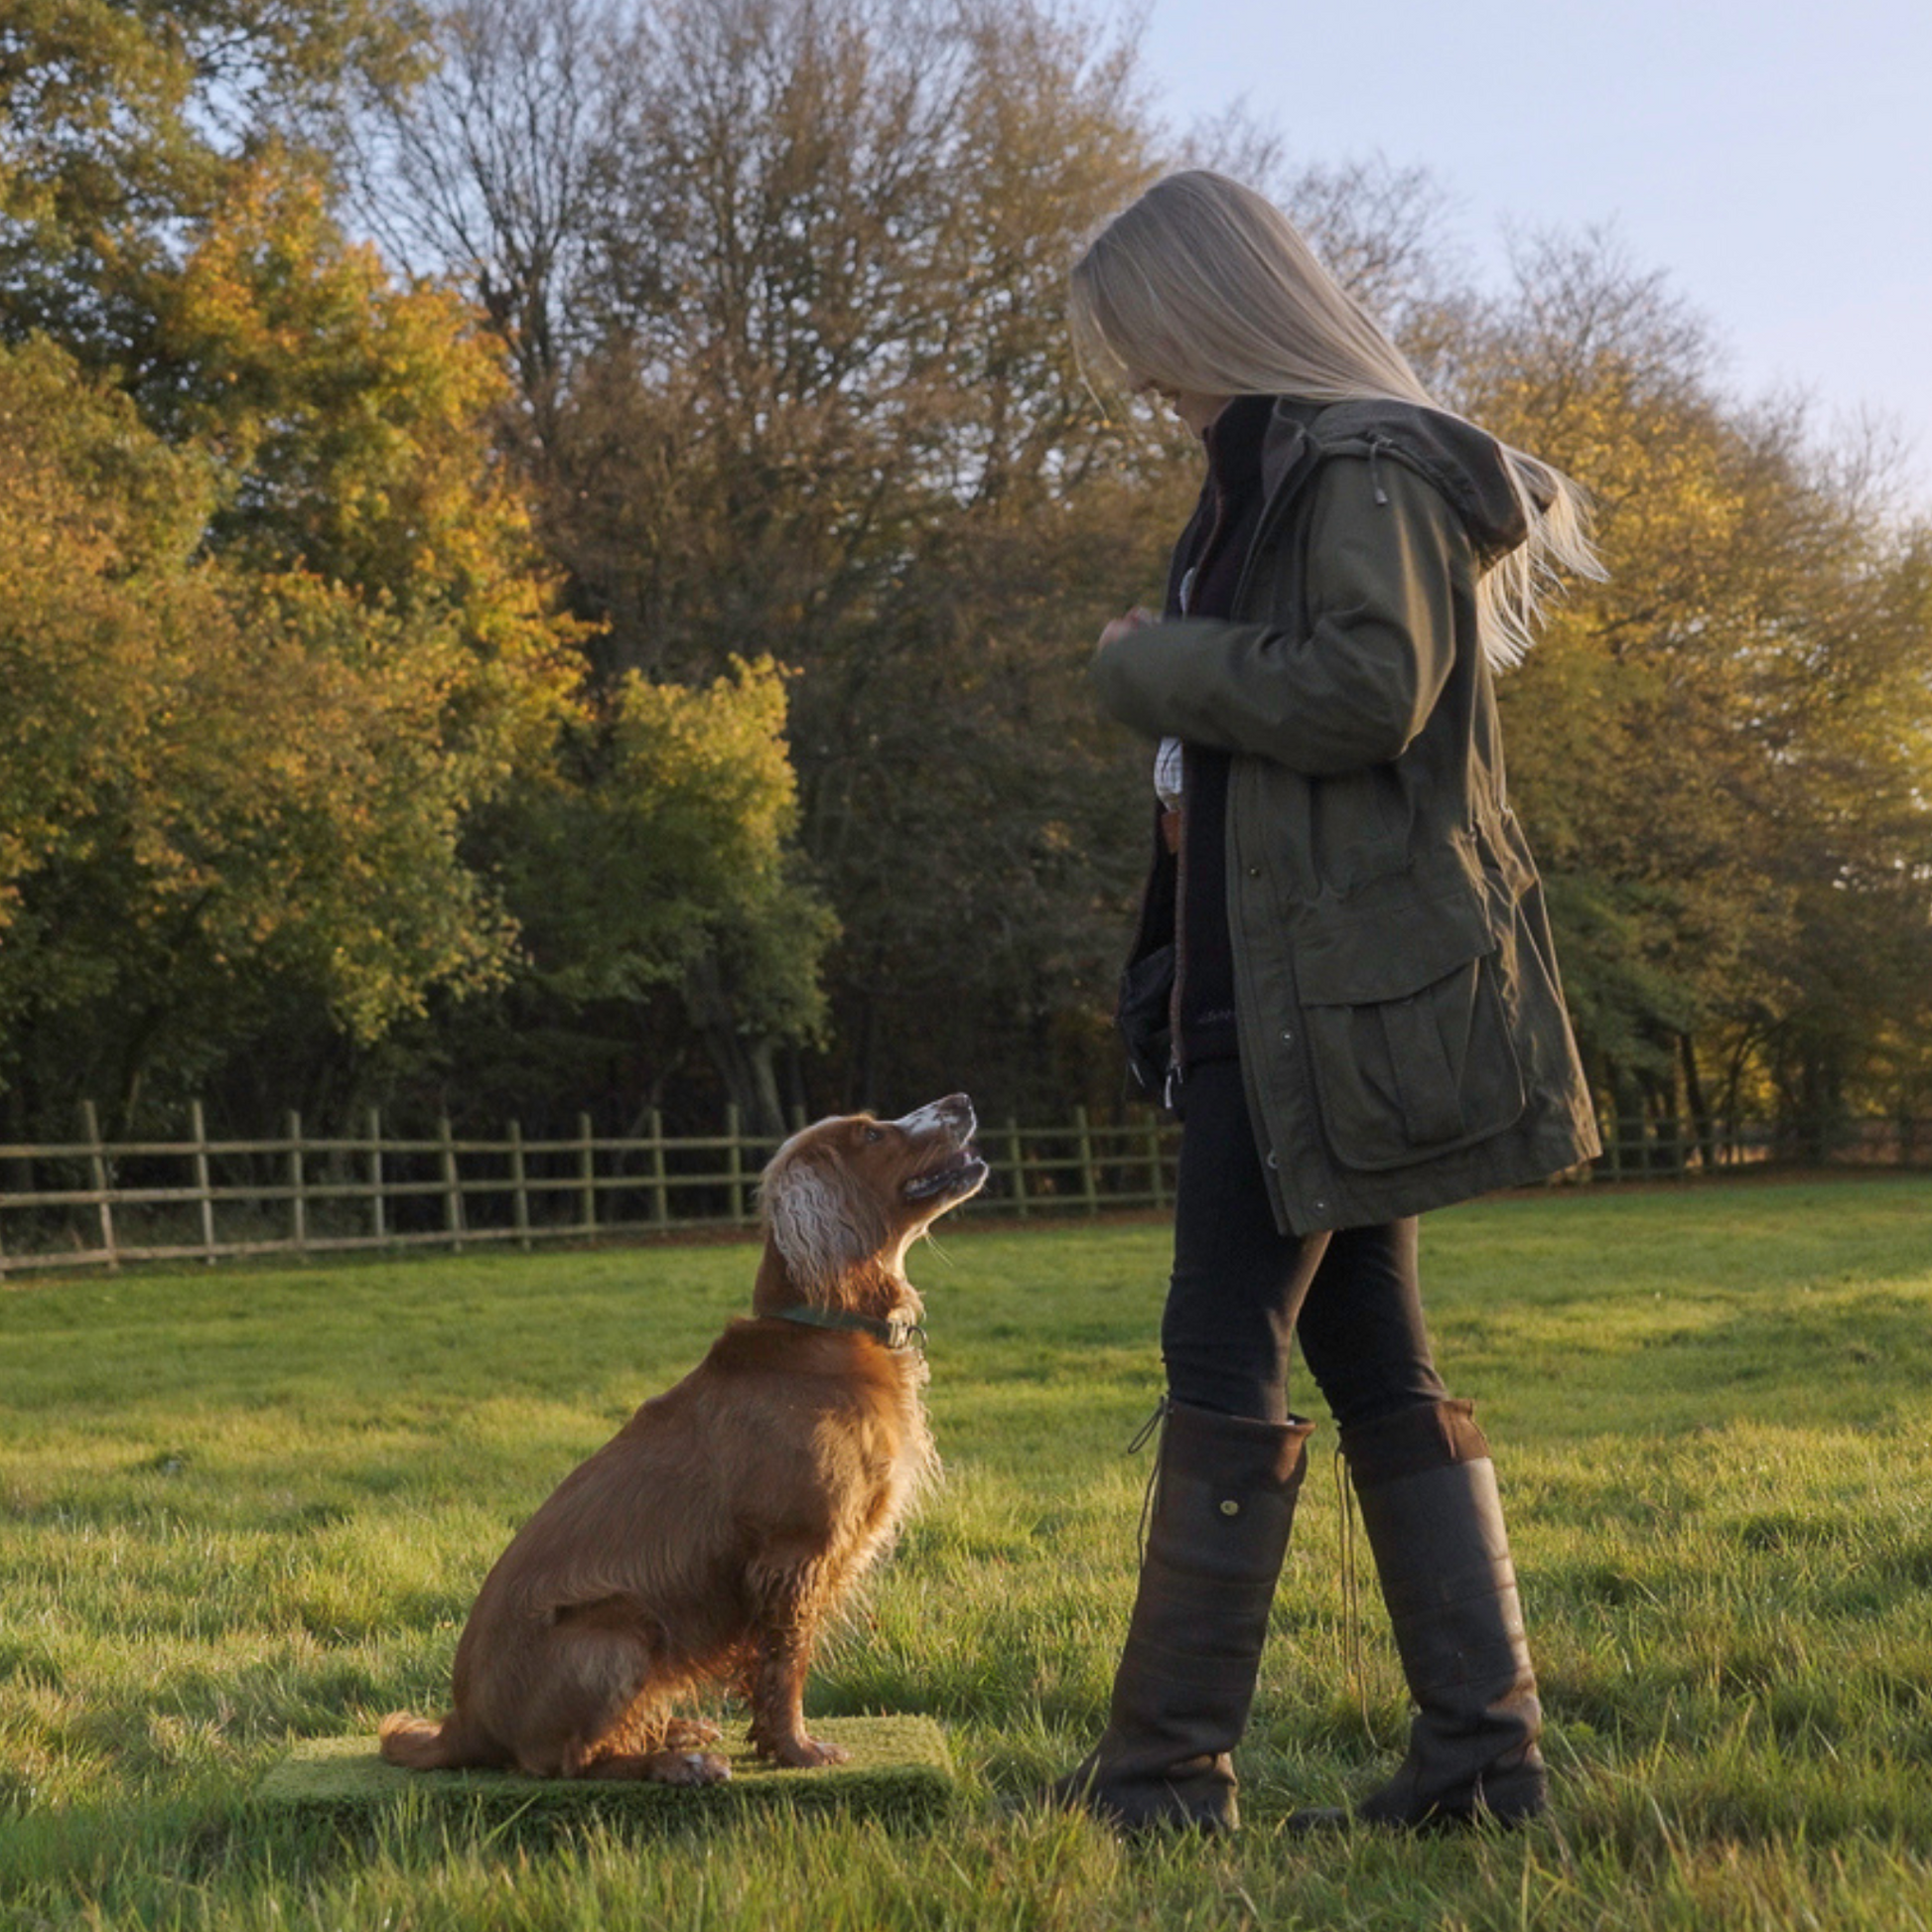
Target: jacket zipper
(1288,486)
(1176,1044)
(1184,597)
(1176,1054)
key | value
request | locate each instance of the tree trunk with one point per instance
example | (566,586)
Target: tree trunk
(1703,1127)
(748,1071)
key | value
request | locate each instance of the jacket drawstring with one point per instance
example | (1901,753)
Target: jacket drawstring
(1376,444)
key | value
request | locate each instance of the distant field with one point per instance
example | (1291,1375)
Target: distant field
(239,1507)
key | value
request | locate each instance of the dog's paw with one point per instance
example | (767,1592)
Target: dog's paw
(691,1767)
(685,1733)
(802,1753)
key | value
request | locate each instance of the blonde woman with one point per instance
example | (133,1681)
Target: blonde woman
(1342,981)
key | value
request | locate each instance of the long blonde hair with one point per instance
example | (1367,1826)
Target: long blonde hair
(1204,286)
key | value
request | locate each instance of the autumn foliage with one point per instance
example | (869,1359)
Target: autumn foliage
(548,553)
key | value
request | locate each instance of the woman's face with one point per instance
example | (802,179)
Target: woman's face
(1194,408)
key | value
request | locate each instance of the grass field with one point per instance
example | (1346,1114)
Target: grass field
(240,1509)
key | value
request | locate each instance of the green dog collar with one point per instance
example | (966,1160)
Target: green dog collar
(900,1331)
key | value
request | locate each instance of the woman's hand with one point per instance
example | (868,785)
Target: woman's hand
(1127,625)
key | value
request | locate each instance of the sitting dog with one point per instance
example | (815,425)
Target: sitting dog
(708,1541)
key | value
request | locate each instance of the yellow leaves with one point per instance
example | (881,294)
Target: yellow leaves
(269,767)
(350,411)
(1711,748)
(721,747)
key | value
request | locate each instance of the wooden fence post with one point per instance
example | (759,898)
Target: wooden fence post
(1157,1179)
(734,1165)
(1019,1167)
(97,1179)
(660,1194)
(378,1215)
(298,1198)
(204,1193)
(587,1171)
(1089,1185)
(519,1189)
(452,1184)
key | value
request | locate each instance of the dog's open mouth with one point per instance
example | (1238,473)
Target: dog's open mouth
(958,1174)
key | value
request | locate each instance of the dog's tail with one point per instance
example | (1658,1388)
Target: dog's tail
(420,1744)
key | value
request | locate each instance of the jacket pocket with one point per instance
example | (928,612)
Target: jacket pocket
(1407,1026)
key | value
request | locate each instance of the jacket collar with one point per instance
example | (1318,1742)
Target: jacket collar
(1287,447)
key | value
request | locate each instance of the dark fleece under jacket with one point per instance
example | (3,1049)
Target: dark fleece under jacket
(1201,583)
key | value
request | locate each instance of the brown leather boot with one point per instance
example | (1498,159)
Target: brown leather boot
(1223,1502)
(1435,1523)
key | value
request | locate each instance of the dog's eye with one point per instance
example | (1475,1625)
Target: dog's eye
(875,1134)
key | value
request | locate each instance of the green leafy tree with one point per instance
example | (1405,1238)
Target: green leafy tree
(656,885)
(223,781)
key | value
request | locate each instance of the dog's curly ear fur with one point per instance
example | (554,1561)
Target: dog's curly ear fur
(822,1223)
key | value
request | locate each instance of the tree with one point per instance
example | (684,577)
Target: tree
(482,170)
(795,380)
(224,781)
(119,124)
(1721,751)
(655,885)
(310,666)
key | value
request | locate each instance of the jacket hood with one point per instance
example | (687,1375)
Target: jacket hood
(1464,463)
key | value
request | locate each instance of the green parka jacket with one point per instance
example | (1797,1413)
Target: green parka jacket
(1401,1024)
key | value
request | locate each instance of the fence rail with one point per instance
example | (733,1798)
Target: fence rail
(90,1202)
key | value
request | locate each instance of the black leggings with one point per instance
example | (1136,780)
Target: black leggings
(1242,1291)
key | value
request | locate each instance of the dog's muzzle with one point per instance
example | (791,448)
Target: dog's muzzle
(962,1171)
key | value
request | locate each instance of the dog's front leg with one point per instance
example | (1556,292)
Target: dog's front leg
(789,1605)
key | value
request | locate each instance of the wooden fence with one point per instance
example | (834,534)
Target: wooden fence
(88,1202)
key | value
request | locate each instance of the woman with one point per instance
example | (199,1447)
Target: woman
(1343,982)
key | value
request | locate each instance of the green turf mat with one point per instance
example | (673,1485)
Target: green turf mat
(899,1765)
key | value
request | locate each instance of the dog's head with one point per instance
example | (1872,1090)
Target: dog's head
(851,1191)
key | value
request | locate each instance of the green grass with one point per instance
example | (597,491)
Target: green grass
(243,1508)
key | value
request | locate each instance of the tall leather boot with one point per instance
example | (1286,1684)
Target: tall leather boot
(1435,1524)
(1223,1502)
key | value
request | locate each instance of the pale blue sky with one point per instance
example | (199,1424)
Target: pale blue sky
(1775,159)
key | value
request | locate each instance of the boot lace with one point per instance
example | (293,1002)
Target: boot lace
(1151,1495)
(1354,1657)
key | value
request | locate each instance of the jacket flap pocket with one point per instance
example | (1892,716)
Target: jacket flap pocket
(1377,946)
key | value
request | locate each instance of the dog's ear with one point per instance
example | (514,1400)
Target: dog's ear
(823,1224)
